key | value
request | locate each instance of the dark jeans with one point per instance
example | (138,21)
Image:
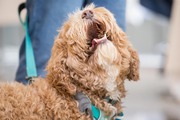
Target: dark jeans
(46,17)
(159,6)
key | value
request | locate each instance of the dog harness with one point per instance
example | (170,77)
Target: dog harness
(85,106)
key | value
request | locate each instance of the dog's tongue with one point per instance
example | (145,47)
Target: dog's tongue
(96,41)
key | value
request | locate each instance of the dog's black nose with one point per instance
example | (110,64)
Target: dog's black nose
(88,14)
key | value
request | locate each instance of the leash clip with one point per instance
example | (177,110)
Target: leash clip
(30,79)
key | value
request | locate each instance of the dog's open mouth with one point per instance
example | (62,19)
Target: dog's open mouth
(96,31)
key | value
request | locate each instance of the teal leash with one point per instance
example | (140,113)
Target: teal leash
(30,60)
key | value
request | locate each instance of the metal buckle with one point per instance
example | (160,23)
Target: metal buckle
(30,79)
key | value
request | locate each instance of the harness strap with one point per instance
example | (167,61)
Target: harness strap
(85,106)
(98,114)
(30,61)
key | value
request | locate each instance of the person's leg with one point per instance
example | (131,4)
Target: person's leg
(45,18)
(117,7)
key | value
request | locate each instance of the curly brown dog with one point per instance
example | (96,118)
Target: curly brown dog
(92,55)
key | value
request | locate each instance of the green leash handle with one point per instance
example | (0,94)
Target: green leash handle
(30,61)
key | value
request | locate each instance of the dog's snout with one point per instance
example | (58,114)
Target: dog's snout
(88,14)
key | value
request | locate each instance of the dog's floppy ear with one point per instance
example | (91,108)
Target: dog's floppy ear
(134,65)
(56,53)
(129,55)
(56,68)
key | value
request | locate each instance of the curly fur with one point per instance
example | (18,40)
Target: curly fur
(75,66)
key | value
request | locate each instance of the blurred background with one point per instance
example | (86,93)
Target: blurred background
(153,26)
